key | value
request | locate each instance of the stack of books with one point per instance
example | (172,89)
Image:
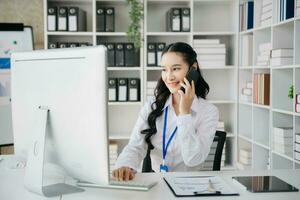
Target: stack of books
(261,89)
(221,126)
(150,89)
(246,94)
(210,53)
(263,59)
(283,140)
(113,154)
(247,47)
(298,8)
(266,14)
(297,103)
(285,9)
(283,56)
(245,157)
(246,15)
(297,147)
(209,162)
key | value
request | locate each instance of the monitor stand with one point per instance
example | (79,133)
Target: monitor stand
(34,171)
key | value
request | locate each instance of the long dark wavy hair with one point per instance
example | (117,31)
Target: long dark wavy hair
(162,93)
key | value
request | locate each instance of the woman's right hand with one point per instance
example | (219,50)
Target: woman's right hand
(123,174)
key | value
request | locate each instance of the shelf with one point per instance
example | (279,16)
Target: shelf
(123,68)
(124,103)
(111,34)
(245,138)
(245,67)
(283,111)
(168,33)
(262,28)
(283,155)
(215,33)
(261,145)
(120,137)
(261,106)
(247,32)
(154,68)
(282,67)
(282,23)
(228,168)
(66,33)
(260,67)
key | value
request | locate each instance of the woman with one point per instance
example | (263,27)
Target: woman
(179,125)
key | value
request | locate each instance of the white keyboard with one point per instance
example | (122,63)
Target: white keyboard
(126,185)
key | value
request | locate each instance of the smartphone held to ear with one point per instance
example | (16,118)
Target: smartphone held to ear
(192,75)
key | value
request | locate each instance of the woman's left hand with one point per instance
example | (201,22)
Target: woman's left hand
(187,97)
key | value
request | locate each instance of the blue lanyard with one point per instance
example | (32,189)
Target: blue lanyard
(165,147)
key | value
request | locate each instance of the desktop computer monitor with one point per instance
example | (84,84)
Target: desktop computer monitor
(59,97)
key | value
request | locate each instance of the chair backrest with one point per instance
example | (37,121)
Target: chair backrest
(220,138)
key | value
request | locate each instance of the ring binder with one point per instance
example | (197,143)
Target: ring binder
(52,19)
(109,19)
(62,19)
(76,19)
(100,20)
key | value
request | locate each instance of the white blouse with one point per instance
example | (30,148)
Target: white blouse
(190,145)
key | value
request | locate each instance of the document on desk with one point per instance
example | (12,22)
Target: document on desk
(199,186)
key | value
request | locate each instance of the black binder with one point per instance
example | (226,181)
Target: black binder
(100,21)
(173,20)
(52,45)
(185,19)
(109,19)
(62,21)
(134,89)
(76,19)
(151,54)
(131,56)
(63,45)
(159,49)
(112,89)
(52,19)
(73,44)
(122,89)
(111,54)
(120,55)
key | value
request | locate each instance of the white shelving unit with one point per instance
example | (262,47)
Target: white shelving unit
(256,122)
(222,80)
(210,19)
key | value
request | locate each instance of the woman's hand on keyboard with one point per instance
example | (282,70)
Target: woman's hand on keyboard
(123,174)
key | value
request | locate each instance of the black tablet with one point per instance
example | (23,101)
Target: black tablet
(265,184)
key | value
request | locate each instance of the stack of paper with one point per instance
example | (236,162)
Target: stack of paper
(245,157)
(283,140)
(150,87)
(297,146)
(113,154)
(263,59)
(246,94)
(210,53)
(221,126)
(266,14)
(283,56)
(247,48)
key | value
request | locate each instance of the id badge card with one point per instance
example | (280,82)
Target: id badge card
(163,168)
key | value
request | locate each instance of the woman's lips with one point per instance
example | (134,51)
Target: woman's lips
(173,84)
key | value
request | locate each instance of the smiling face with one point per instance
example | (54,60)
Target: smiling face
(174,69)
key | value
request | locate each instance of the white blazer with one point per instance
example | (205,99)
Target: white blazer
(190,145)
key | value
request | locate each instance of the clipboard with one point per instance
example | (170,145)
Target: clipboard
(191,186)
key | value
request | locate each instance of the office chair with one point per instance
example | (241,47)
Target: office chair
(220,137)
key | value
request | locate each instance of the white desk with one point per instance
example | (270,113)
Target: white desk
(11,187)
